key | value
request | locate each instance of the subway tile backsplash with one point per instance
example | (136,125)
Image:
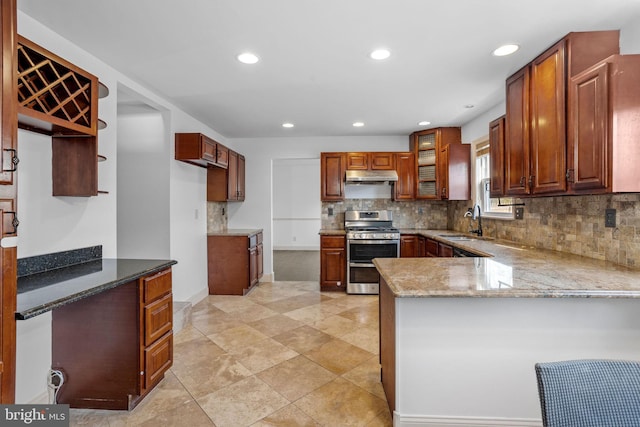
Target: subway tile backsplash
(573,224)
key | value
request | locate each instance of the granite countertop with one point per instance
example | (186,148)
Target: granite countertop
(236,232)
(507,270)
(47,290)
(328,232)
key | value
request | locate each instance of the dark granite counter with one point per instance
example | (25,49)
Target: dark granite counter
(46,290)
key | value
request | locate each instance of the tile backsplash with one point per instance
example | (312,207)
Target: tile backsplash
(216,217)
(573,224)
(413,214)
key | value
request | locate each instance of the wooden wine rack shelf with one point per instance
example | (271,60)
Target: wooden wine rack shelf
(54,96)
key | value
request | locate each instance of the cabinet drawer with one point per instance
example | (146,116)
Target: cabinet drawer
(156,285)
(157,359)
(158,318)
(332,242)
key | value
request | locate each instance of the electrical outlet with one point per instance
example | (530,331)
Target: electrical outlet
(609,217)
(519,213)
(330,211)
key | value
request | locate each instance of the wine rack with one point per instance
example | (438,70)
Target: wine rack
(54,96)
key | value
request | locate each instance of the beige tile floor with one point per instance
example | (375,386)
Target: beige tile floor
(284,355)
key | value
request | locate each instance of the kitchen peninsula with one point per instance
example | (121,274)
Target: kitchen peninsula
(459,337)
(112,323)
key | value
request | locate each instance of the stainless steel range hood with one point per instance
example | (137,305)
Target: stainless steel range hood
(371,177)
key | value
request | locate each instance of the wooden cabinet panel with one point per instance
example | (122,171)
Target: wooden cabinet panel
(496,154)
(74,166)
(333,266)
(200,150)
(227,185)
(431,248)
(332,170)
(404,188)
(604,127)
(445,250)
(157,360)
(358,161)
(422,246)
(156,285)
(454,161)
(547,134)
(382,161)
(517,134)
(158,318)
(234,263)
(408,246)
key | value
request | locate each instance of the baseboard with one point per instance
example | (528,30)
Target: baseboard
(41,399)
(199,296)
(296,248)
(436,421)
(266,277)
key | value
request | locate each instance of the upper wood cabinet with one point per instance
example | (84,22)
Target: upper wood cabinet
(496,154)
(227,185)
(200,150)
(442,172)
(404,188)
(332,170)
(535,123)
(604,127)
(370,161)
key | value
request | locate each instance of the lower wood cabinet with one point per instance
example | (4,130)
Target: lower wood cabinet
(430,247)
(409,246)
(235,263)
(114,347)
(333,263)
(445,250)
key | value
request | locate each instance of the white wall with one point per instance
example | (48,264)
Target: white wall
(257,209)
(49,224)
(143,186)
(296,204)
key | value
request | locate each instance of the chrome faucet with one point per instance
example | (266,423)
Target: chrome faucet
(476,215)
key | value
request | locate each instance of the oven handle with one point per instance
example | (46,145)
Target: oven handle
(373,242)
(361,264)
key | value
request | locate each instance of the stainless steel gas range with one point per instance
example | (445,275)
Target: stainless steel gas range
(370,234)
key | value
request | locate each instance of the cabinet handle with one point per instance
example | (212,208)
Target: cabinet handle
(14,222)
(531,181)
(569,175)
(14,160)
(523,179)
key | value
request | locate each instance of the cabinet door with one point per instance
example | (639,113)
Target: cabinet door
(382,161)
(516,142)
(496,156)
(240,182)
(260,261)
(425,145)
(358,161)
(548,122)
(588,148)
(431,248)
(405,186)
(422,246)
(157,360)
(333,266)
(222,156)
(443,172)
(445,250)
(408,246)
(332,168)
(232,176)
(253,265)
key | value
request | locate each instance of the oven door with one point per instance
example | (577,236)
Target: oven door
(362,275)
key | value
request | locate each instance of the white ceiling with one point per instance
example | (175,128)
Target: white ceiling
(314,70)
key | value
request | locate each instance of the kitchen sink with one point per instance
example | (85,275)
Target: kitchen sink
(458,237)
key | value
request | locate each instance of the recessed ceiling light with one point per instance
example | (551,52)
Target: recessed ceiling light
(248,58)
(424,123)
(358,124)
(469,106)
(380,54)
(506,49)
(287,125)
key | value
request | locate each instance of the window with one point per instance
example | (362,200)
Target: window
(494,208)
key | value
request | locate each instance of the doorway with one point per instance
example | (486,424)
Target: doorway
(296,219)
